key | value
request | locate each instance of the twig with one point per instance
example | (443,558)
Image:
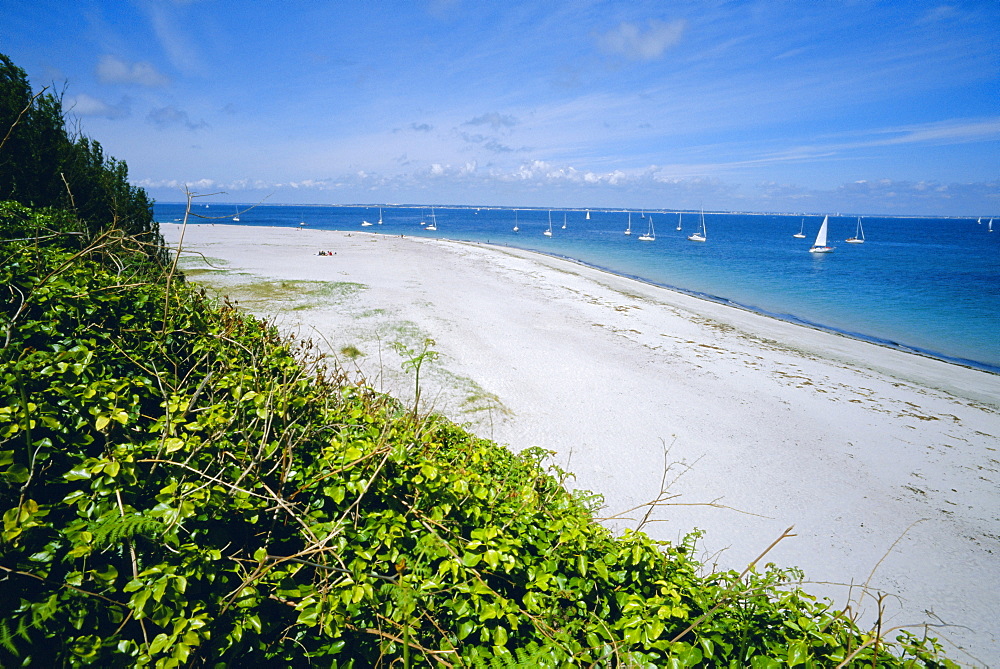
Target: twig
(19,116)
(412,644)
(900,538)
(209,477)
(72,200)
(64,585)
(318,565)
(697,621)
(36,238)
(784,535)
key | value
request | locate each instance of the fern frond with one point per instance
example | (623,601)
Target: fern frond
(7,639)
(115,530)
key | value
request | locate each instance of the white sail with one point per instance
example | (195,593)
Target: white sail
(821,235)
(819,246)
(628,230)
(859,235)
(702,234)
(650,235)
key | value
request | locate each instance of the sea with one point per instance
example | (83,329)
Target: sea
(930,286)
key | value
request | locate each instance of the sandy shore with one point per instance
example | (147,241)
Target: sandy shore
(886,463)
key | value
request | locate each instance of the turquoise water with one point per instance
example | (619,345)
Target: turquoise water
(929,285)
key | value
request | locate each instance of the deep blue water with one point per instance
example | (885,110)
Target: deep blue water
(931,285)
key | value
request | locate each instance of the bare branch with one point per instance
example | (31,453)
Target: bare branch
(19,116)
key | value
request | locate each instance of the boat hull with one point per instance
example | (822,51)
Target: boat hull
(821,249)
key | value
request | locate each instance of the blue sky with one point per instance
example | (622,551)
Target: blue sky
(855,106)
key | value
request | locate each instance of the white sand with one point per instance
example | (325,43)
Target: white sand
(854,444)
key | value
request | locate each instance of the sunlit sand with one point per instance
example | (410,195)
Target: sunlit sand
(885,462)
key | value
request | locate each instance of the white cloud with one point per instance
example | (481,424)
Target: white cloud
(629,40)
(956,131)
(196,186)
(174,35)
(111,70)
(86,105)
(939,14)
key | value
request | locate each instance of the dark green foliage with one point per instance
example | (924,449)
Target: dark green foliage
(41,165)
(179,485)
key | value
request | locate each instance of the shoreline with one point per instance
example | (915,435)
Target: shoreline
(978,365)
(726,302)
(882,459)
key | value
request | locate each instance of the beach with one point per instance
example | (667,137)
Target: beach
(886,463)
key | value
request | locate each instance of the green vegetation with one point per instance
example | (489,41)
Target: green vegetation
(180,485)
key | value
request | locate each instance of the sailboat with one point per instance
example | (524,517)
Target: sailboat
(989,227)
(515,221)
(628,230)
(236,218)
(679,216)
(702,234)
(819,246)
(548,233)
(801,233)
(434,222)
(650,235)
(380,215)
(588,214)
(564,221)
(859,235)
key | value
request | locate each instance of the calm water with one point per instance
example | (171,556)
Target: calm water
(927,284)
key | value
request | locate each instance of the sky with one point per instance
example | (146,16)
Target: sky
(854,106)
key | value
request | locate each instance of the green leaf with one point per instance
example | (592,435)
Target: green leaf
(159,643)
(798,653)
(173,444)
(17,473)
